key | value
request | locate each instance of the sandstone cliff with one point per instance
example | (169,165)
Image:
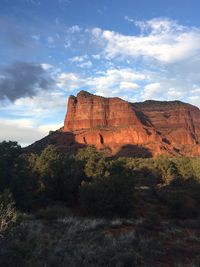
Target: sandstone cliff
(128,129)
(90,111)
(150,127)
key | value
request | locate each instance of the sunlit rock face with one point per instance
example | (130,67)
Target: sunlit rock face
(121,128)
(149,128)
(89,111)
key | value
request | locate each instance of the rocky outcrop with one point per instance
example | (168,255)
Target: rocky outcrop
(129,129)
(171,128)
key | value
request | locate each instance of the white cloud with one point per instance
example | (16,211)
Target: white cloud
(114,82)
(46,66)
(50,127)
(167,53)
(97,56)
(25,131)
(168,86)
(78,58)
(127,18)
(43,108)
(70,81)
(174,94)
(96,32)
(160,25)
(39,104)
(165,41)
(196,90)
(74,29)
(86,64)
(195,100)
(152,90)
(128,85)
(82,61)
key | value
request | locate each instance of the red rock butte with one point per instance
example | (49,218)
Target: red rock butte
(151,127)
(122,128)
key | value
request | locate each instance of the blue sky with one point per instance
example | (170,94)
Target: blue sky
(50,49)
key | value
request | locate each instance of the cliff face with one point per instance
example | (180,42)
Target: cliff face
(178,122)
(150,127)
(89,111)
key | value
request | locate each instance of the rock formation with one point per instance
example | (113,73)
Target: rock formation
(129,129)
(121,127)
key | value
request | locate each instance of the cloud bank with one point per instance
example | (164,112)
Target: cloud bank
(163,40)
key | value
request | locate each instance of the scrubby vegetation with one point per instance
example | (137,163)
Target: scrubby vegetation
(89,210)
(8,213)
(108,196)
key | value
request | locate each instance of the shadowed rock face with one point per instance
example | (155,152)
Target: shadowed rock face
(171,128)
(179,121)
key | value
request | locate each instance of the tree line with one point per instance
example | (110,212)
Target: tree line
(101,186)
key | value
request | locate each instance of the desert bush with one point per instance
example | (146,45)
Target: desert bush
(166,168)
(94,161)
(109,196)
(185,168)
(196,167)
(145,171)
(8,214)
(58,176)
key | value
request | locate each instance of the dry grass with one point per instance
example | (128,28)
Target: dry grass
(96,242)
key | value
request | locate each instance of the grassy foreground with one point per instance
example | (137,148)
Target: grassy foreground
(83,241)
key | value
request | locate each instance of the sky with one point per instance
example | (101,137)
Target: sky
(50,49)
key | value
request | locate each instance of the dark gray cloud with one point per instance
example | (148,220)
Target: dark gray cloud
(22,79)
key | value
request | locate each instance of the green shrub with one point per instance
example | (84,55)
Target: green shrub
(58,176)
(94,161)
(108,196)
(166,168)
(185,168)
(196,167)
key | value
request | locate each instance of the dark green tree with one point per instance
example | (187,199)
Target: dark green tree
(58,176)
(95,164)
(109,196)
(9,158)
